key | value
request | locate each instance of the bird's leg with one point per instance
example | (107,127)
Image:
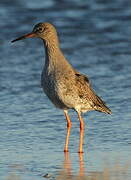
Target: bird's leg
(81,133)
(68,130)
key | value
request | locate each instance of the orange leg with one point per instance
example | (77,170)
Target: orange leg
(68,130)
(81,133)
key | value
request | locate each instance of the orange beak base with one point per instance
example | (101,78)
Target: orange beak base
(30,35)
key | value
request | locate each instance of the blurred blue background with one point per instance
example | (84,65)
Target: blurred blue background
(95,36)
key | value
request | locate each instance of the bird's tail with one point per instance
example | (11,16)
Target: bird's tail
(104,109)
(101,106)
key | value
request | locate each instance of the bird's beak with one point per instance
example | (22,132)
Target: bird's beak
(30,35)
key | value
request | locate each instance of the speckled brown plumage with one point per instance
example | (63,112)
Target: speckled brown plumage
(87,94)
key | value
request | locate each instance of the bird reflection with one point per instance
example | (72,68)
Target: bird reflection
(67,172)
(81,165)
(67,164)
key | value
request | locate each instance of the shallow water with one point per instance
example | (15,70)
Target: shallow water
(95,37)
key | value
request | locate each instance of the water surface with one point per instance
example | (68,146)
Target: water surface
(95,38)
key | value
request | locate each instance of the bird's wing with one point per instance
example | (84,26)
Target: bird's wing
(86,92)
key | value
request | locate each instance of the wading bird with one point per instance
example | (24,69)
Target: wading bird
(64,85)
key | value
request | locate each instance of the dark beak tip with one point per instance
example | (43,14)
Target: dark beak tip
(30,35)
(12,41)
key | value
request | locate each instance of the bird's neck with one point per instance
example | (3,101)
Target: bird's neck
(55,59)
(52,48)
(53,53)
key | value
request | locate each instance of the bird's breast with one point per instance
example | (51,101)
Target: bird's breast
(51,85)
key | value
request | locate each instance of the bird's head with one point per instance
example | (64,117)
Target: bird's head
(41,30)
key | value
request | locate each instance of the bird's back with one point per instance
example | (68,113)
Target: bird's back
(88,96)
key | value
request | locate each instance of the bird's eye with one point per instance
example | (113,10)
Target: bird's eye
(40,29)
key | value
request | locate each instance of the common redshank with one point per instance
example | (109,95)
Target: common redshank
(65,86)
